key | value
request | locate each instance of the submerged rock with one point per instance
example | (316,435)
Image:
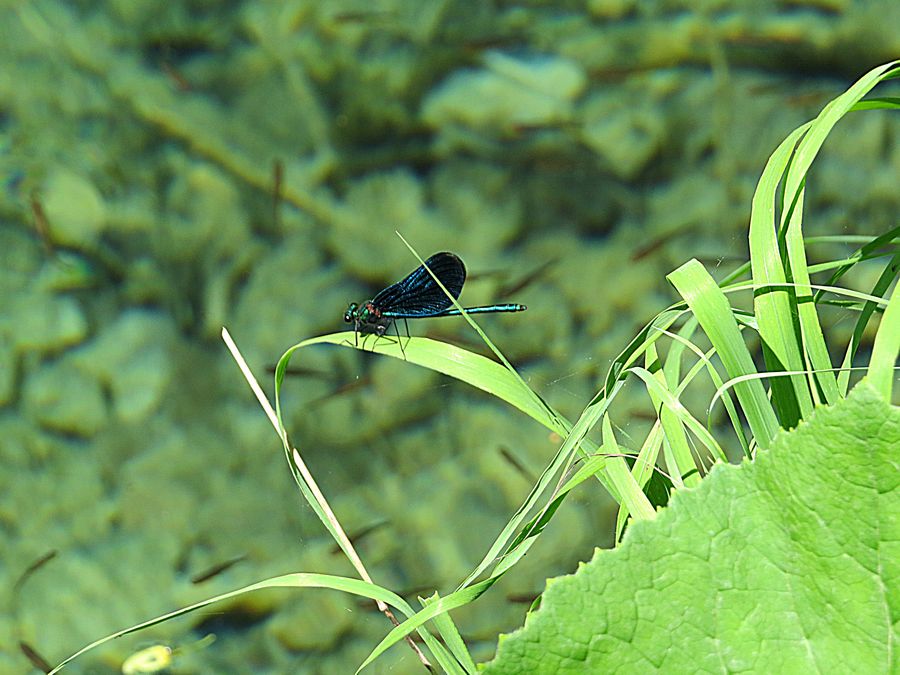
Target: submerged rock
(508,93)
(60,397)
(76,212)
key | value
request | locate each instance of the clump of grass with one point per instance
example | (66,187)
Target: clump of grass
(798,375)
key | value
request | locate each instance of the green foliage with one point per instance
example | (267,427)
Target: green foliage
(763,567)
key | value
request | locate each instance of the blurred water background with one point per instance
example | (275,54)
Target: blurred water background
(167,169)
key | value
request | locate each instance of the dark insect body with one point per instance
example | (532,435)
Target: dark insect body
(417,296)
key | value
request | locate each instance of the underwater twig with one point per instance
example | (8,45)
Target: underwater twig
(277,188)
(314,488)
(36,659)
(41,224)
(34,567)
(217,569)
(517,464)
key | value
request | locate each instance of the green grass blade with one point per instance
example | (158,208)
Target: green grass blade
(557,467)
(704,362)
(631,494)
(864,252)
(812,339)
(887,277)
(822,125)
(461,364)
(886,348)
(878,103)
(636,348)
(452,639)
(708,303)
(432,610)
(836,290)
(344,584)
(774,307)
(700,432)
(589,468)
(643,469)
(679,450)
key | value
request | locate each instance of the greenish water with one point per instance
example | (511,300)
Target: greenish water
(166,170)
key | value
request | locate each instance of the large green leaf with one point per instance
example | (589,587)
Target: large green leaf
(789,564)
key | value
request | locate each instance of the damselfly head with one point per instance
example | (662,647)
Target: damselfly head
(350,314)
